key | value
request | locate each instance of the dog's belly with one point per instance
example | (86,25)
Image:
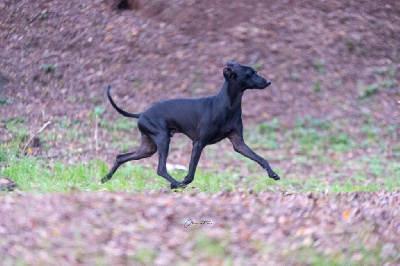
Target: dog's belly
(188,131)
(217,138)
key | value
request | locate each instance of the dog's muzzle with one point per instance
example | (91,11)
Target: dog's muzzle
(264,84)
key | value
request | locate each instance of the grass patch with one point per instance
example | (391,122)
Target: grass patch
(356,254)
(317,86)
(319,66)
(369,90)
(314,155)
(38,176)
(121,124)
(5,101)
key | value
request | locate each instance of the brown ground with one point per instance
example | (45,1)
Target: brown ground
(125,229)
(178,49)
(167,49)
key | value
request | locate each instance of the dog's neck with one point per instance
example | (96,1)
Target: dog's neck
(230,95)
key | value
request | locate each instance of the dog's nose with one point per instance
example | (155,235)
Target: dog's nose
(268,82)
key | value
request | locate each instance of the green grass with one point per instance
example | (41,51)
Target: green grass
(5,101)
(317,149)
(351,46)
(386,81)
(319,66)
(38,176)
(356,254)
(317,86)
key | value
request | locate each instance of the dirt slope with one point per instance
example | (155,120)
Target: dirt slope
(57,57)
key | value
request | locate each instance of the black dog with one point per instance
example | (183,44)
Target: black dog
(205,121)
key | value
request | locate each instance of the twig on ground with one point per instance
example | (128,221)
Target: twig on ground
(34,135)
(96,133)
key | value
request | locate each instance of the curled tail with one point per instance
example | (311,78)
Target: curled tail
(122,112)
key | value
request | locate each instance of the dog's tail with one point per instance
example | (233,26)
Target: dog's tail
(122,112)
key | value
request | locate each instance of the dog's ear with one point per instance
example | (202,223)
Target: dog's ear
(229,73)
(232,64)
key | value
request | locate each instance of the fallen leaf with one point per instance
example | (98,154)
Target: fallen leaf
(346,214)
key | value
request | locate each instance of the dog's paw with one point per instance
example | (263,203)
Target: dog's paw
(274,176)
(104,179)
(186,181)
(177,185)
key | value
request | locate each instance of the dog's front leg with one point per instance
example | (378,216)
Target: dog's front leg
(239,146)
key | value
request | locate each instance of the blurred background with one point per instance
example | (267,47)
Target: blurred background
(335,59)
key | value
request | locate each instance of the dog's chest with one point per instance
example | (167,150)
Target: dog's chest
(221,127)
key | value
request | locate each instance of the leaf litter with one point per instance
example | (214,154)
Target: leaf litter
(152,227)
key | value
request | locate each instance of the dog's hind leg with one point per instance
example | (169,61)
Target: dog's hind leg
(146,149)
(196,153)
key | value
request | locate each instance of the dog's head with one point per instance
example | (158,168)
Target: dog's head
(244,76)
